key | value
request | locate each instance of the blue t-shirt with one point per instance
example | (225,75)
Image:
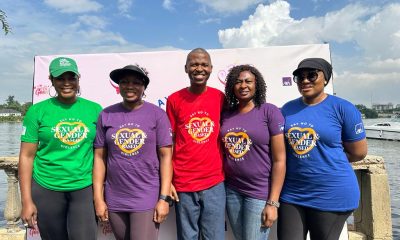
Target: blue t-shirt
(318,173)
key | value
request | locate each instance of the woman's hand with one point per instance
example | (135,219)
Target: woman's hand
(161,211)
(29,214)
(101,210)
(25,166)
(269,215)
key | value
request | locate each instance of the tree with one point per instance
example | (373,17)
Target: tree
(11,103)
(6,27)
(361,107)
(10,100)
(25,107)
(369,113)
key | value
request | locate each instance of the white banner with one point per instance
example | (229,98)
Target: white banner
(167,75)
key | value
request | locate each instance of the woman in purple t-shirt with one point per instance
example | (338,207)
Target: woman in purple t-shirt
(133,151)
(255,160)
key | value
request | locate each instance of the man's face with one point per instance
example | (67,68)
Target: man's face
(198,67)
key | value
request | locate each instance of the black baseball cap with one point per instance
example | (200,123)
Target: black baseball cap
(117,74)
(315,63)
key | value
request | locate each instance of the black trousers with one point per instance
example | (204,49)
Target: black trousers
(295,221)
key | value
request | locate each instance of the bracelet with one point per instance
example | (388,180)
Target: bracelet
(273,203)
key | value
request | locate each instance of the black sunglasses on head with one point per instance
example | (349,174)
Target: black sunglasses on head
(312,76)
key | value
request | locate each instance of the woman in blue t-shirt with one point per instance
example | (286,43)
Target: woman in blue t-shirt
(254,161)
(323,135)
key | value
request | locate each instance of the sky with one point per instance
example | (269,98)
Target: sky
(364,35)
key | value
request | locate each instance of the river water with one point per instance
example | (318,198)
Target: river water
(389,150)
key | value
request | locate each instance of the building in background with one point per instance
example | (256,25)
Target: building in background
(9,112)
(382,107)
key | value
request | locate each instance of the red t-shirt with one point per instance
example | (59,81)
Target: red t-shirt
(195,121)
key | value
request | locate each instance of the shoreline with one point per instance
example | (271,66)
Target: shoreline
(11,119)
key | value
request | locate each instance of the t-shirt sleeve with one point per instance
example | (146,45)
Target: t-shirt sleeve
(163,130)
(170,114)
(30,126)
(353,127)
(276,121)
(100,140)
(99,108)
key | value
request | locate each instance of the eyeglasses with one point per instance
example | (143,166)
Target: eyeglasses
(312,76)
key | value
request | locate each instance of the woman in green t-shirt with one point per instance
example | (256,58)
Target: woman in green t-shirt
(56,159)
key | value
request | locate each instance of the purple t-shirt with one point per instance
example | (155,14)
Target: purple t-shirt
(246,139)
(133,169)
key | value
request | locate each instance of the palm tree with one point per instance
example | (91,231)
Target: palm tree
(6,27)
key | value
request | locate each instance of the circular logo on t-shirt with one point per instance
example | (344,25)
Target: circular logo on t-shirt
(200,126)
(302,140)
(130,140)
(70,132)
(237,143)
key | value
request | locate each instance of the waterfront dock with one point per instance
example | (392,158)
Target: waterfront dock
(372,220)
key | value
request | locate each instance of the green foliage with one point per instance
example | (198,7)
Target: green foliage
(25,107)
(368,113)
(6,27)
(11,103)
(361,107)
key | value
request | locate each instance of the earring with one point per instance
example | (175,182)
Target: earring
(144,95)
(78,92)
(54,94)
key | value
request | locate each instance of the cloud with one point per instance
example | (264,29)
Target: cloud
(76,6)
(379,36)
(99,37)
(368,88)
(364,42)
(92,21)
(261,28)
(124,7)
(167,4)
(387,65)
(229,6)
(211,20)
(273,25)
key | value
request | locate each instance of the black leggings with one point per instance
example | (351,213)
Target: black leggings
(295,221)
(65,215)
(134,225)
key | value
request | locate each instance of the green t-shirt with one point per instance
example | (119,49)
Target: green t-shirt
(65,135)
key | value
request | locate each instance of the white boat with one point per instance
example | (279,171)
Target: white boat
(384,130)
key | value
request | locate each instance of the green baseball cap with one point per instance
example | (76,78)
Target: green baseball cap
(61,65)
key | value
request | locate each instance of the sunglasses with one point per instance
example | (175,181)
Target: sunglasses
(312,76)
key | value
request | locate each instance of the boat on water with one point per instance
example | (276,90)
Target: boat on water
(384,130)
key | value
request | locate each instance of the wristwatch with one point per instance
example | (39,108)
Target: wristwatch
(273,203)
(168,199)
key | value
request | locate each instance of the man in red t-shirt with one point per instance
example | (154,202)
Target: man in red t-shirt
(194,113)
